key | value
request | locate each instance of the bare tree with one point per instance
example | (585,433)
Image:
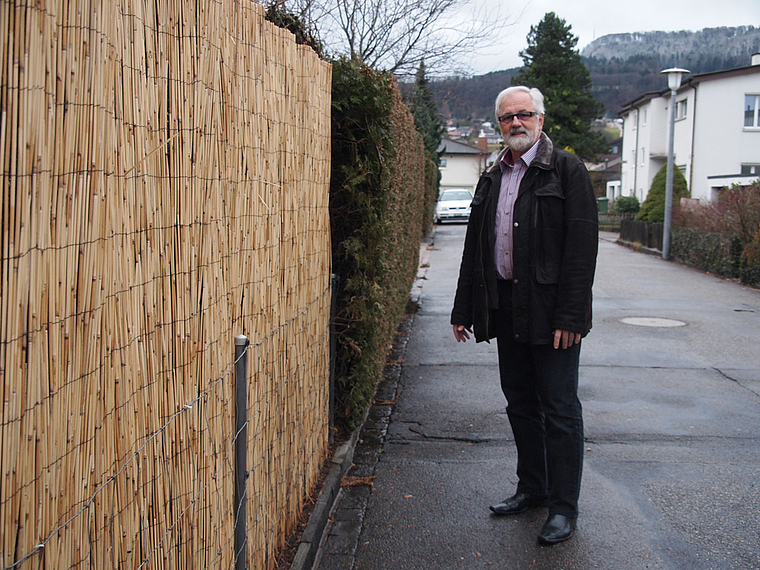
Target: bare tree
(397,35)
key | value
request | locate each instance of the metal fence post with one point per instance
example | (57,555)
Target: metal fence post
(333,346)
(241,448)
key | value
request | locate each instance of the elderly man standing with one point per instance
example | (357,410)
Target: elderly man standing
(526,276)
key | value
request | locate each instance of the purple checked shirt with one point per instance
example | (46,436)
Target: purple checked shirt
(511,175)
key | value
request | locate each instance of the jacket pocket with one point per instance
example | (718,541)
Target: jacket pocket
(547,273)
(553,189)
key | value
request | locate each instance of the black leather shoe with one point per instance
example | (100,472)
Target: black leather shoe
(517,503)
(557,528)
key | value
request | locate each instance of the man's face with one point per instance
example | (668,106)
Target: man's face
(519,135)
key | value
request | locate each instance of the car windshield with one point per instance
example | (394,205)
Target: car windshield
(449,195)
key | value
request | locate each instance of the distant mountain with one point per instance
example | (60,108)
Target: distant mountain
(622,66)
(678,47)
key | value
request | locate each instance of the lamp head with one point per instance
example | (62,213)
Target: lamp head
(674,77)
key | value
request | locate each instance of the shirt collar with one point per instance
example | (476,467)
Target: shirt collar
(527,157)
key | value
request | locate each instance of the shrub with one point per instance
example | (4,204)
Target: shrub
(376,201)
(716,253)
(736,212)
(653,208)
(626,205)
(282,18)
(749,271)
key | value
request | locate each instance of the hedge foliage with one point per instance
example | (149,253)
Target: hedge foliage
(626,205)
(722,237)
(749,268)
(377,209)
(716,253)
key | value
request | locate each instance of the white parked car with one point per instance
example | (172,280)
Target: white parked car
(453,205)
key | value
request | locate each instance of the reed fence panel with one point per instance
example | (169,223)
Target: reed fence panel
(165,170)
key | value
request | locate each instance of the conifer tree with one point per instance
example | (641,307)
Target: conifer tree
(553,65)
(422,105)
(653,208)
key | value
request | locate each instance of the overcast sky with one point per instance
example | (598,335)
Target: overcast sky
(591,19)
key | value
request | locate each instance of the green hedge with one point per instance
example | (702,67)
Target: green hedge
(377,208)
(717,253)
(749,268)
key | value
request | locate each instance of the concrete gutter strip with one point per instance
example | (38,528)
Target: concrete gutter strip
(312,535)
(641,248)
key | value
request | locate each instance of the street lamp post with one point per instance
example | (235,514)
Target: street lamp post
(674,82)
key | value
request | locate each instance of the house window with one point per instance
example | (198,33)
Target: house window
(681,109)
(635,120)
(643,156)
(643,117)
(751,105)
(750,169)
(443,164)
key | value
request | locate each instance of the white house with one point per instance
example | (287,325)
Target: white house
(461,165)
(716,135)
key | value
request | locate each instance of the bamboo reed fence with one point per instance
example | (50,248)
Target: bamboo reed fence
(165,172)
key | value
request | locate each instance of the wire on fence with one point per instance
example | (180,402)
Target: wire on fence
(165,170)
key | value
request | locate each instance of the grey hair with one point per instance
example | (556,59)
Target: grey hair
(535,95)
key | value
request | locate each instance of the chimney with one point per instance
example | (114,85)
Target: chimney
(756,58)
(483,143)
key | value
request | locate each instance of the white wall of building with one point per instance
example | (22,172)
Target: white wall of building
(712,146)
(628,154)
(721,141)
(644,146)
(613,190)
(461,171)
(684,131)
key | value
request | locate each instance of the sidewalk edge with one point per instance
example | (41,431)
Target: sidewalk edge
(312,535)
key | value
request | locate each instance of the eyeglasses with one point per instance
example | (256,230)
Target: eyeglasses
(522,115)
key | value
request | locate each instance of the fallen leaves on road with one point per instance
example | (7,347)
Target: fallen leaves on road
(357,481)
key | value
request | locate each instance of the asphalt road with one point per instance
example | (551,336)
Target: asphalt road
(672,421)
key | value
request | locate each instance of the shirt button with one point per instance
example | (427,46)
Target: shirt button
(517,336)
(515,281)
(516,224)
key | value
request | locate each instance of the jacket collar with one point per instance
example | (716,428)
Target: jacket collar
(545,151)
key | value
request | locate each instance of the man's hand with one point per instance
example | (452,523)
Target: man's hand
(460,333)
(565,339)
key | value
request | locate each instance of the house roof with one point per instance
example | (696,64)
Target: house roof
(697,78)
(627,107)
(448,146)
(737,71)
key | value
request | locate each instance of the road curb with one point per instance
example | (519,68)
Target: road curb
(312,534)
(638,247)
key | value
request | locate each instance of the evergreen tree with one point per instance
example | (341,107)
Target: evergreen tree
(422,105)
(553,65)
(653,208)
